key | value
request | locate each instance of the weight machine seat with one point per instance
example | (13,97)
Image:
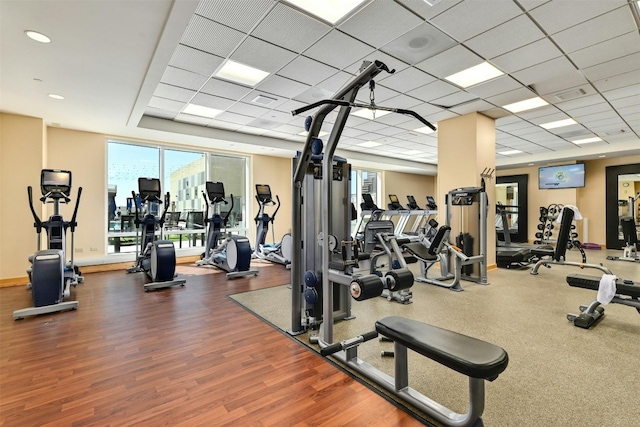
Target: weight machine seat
(593,283)
(469,356)
(543,251)
(420,251)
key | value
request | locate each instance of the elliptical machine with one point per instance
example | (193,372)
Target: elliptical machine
(279,253)
(233,254)
(50,276)
(157,258)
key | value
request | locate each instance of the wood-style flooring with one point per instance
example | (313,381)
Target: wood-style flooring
(175,357)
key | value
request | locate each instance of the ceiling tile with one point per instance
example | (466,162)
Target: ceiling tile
(335,82)
(359,25)
(493,43)
(291,29)
(452,100)
(307,71)
(195,60)
(162,114)
(602,52)
(184,79)
(166,104)
(544,71)
(527,56)
(247,109)
(282,86)
(613,67)
(609,25)
(211,37)
(421,43)
(619,81)
(262,55)
(225,89)
(234,118)
(470,18)
(407,79)
(493,87)
(173,92)
(212,101)
(556,16)
(450,61)
(228,13)
(325,49)
(433,90)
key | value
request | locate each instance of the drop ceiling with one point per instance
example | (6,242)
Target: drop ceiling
(130,68)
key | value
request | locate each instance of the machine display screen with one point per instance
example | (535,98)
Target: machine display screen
(215,190)
(55,181)
(264,192)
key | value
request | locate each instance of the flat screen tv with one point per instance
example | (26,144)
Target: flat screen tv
(563,176)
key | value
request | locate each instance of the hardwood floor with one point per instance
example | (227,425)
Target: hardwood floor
(175,357)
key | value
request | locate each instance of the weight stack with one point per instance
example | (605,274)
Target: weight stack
(465,242)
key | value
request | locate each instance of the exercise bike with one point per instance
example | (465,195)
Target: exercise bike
(279,253)
(233,254)
(50,276)
(157,258)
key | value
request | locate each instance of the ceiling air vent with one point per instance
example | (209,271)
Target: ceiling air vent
(263,100)
(570,94)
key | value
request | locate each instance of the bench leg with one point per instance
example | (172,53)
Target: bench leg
(401,366)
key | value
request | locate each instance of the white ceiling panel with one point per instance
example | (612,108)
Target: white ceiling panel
(211,37)
(188,118)
(359,25)
(450,61)
(291,29)
(433,90)
(407,79)
(228,13)
(617,82)
(326,51)
(247,109)
(527,56)
(492,43)
(225,89)
(624,92)
(544,71)
(610,25)
(282,86)
(419,44)
(470,18)
(195,60)
(262,55)
(611,49)
(613,67)
(493,87)
(166,104)
(230,117)
(160,113)
(556,16)
(212,101)
(174,92)
(307,71)
(184,79)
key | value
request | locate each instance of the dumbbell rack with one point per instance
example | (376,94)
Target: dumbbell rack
(548,215)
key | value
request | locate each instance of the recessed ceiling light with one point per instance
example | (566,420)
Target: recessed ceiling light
(602,156)
(509,152)
(474,75)
(527,104)
(320,134)
(369,144)
(329,10)
(530,164)
(199,110)
(240,73)
(39,37)
(587,140)
(366,113)
(55,96)
(559,124)
(425,130)
(410,152)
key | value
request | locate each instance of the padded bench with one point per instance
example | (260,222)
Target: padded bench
(477,359)
(627,293)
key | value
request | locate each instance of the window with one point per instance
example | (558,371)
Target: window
(363,182)
(184,175)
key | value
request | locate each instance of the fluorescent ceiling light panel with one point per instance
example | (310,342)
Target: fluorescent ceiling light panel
(559,124)
(410,152)
(39,37)
(527,104)
(474,75)
(329,10)
(320,134)
(240,73)
(369,144)
(366,113)
(425,130)
(199,110)
(509,152)
(55,96)
(586,140)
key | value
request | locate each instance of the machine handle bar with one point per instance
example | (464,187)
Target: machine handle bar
(344,345)
(73,224)
(37,222)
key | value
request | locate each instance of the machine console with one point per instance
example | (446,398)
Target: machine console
(263,192)
(55,182)
(215,191)
(149,189)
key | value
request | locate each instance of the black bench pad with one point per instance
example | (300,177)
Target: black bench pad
(469,356)
(543,250)
(420,251)
(593,283)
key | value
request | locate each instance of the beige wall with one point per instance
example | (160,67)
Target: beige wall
(404,184)
(21,159)
(590,199)
(276,172)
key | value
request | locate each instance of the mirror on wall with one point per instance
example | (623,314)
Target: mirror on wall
(511,208)
(623,200)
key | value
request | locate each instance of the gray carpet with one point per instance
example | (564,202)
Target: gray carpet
(558,375)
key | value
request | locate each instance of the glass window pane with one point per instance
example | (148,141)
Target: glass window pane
(232,172)
(184,179)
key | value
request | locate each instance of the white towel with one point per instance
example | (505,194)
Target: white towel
(576,213)
(607,288)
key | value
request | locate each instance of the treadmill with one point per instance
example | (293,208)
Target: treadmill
(509,254)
